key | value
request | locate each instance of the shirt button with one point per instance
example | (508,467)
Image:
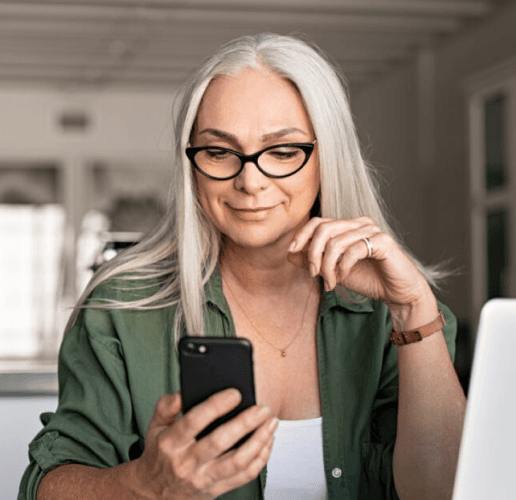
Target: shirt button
(336,472)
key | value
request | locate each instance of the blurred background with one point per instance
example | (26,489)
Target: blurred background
(86,91)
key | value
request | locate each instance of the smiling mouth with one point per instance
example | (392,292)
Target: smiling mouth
(252,214)
(252,210)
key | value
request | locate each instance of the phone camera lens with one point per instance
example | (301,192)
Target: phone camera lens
(190,348)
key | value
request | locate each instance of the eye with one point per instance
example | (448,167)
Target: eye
(284,153)
(216,153)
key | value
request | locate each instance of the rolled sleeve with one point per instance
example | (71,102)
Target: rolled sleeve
(377,480)
(94,423)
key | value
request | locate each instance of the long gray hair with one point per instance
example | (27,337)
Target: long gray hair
(183,251)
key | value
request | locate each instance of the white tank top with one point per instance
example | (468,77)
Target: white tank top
(295,469)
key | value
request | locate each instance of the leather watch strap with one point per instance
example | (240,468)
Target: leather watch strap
(418,334)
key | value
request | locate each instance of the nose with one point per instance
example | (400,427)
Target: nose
(250,179)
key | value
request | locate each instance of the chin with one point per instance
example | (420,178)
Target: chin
(254,239)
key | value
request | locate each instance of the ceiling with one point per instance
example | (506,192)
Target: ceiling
(149,44)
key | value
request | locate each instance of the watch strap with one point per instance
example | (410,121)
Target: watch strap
(418,334)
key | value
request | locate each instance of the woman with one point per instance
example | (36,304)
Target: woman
(276,235)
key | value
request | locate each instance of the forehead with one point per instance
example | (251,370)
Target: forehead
(255,96)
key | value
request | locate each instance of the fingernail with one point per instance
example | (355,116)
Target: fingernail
(313,269)
(235,394)
(273,424)
(265,410)
(292,246)
(326,286)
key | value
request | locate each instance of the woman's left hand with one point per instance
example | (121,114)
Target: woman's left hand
(337,251)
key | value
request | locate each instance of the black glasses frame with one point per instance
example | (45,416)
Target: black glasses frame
(306,147)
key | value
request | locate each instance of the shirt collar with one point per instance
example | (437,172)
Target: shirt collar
(213,292)
(339,298)
(342,298)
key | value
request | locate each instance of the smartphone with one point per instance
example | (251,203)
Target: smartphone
(212,364)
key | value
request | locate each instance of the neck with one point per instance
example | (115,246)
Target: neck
(261,271)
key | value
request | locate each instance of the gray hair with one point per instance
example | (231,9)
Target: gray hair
(184,250)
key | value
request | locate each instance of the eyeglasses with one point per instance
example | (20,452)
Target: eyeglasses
(279,161)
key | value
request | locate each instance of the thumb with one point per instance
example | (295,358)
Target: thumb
(167,409)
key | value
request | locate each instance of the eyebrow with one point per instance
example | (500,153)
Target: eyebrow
(278,134)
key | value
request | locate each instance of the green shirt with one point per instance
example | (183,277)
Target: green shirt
(115,364)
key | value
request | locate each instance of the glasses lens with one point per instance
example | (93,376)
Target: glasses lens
(217,162)
(282,160)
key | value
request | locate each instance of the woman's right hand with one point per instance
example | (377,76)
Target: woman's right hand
(174,465)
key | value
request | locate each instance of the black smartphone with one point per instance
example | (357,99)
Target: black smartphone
(212,364)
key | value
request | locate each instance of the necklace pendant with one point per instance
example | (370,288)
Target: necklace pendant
(283,353)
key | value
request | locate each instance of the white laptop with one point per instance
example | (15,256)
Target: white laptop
(487,458)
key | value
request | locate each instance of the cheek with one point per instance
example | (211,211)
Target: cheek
(312,189)
(202,193)
(202,188)
(303,195)
(312,184)
(208,192)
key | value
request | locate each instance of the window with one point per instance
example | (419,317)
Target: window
(55,223)
(32,228)
(492,140)
(497,239)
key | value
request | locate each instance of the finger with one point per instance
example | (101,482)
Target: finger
(225,436)
(203,414)
(359,252)
(209,472)
(325,233)
(239,459)
(349,260)
(337,249)
(382,245)
(300,258)
(246,475)
(166,410)
(303,236)
(302,242)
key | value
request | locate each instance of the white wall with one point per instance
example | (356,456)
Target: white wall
(122,123)
(432,202)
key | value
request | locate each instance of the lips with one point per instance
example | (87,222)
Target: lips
(259,209)
(252,214)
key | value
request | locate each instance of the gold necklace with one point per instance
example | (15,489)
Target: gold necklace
(284,349)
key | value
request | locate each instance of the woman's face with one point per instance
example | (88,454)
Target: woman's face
(247,112)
